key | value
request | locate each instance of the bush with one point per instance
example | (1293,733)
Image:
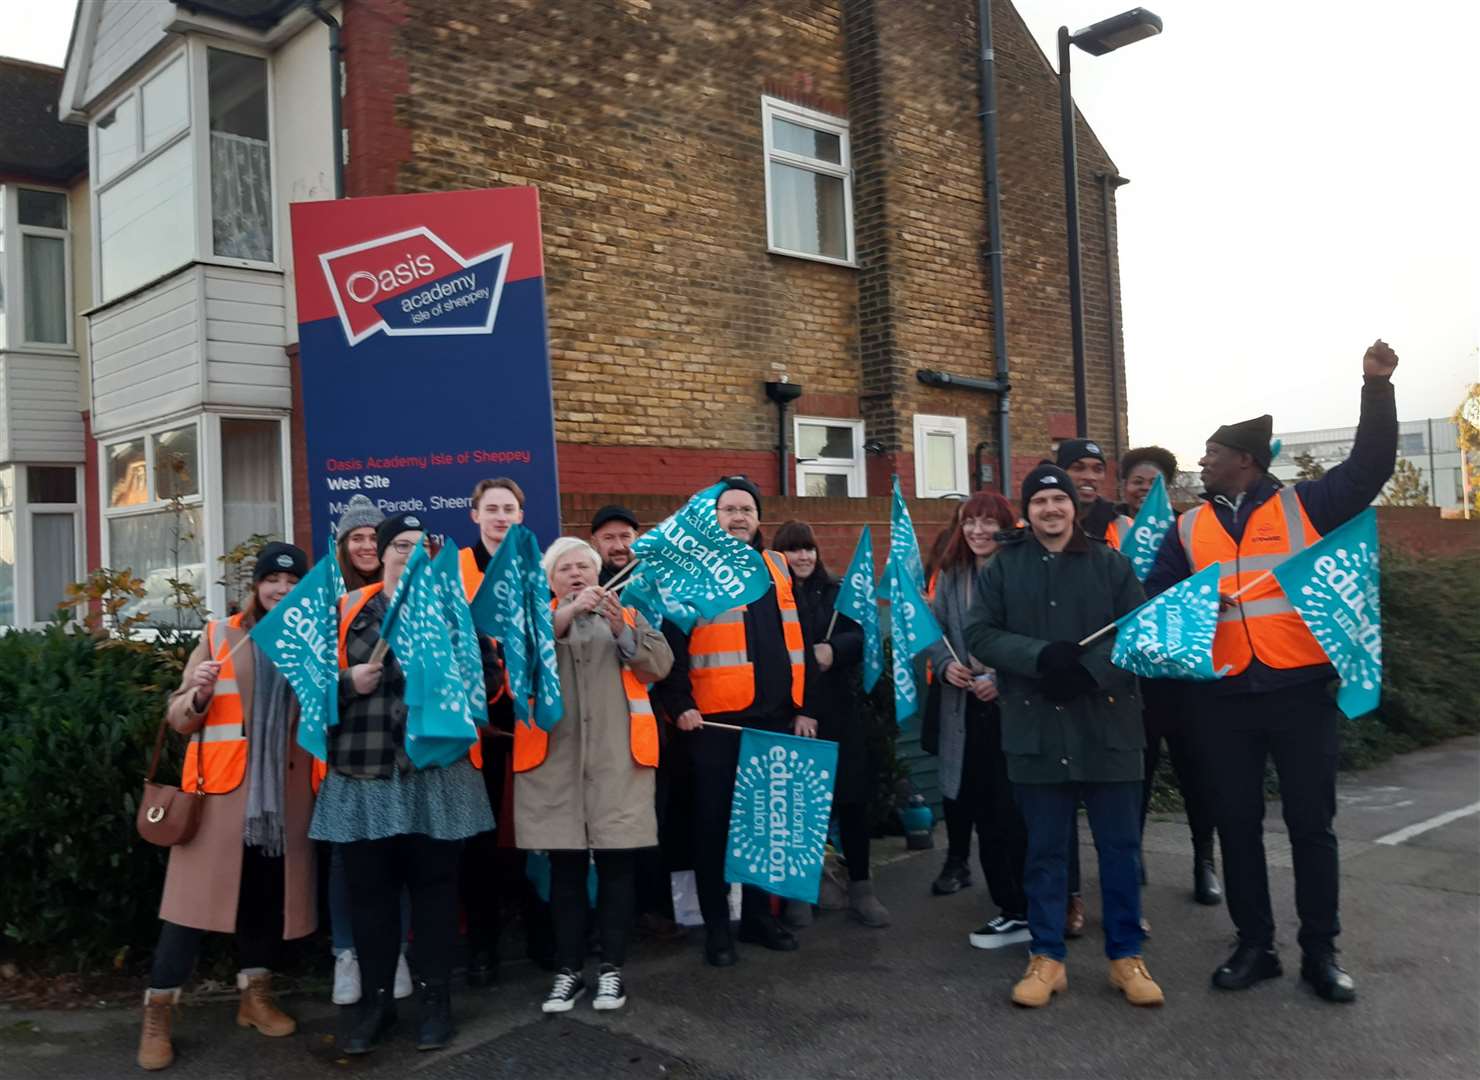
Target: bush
(78,723)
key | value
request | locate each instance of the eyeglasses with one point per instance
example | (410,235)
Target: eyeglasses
(404,547)
(739,511)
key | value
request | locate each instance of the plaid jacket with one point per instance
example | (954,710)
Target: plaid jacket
(370,739)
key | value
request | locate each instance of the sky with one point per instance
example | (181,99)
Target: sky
(1301,175)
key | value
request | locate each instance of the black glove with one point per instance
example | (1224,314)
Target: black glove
(1059,656)
(1067,683)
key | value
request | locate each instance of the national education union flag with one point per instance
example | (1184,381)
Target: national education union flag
(549,702)
(447,577)
(498,611)
(300,636)
(858,599)
(701,565)
(643,592)
(779,813)
(912,625)
(904,545)
(1334,586)
(1150,528)
(1170,636)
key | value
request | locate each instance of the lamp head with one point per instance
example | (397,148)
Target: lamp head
(1110,34)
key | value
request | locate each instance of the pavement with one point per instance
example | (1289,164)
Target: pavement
(915,1000)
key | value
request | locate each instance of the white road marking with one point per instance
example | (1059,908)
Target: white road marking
(1410,831)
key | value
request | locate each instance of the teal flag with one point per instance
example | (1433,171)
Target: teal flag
(439,728)
(858,599)
(300,636)
(656,603)
(498,611)
(447,576)
(1334,586)
(336,576)
(1170,636)
(1151,526)
(912,625)
(700,564)
(549,704)
(904,546)
(779,813)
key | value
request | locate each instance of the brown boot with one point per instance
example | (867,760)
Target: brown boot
(1074,917)
(257,1009)
(1130,977)
(1044,978)
(155,1049)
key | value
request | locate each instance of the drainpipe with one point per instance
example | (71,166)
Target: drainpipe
(987,77)
(336,90)
(1108,183)
(783,393)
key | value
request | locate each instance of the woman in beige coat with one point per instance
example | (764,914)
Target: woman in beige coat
(249,868)
(587,786)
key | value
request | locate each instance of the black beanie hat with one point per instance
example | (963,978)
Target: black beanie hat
(1072,450)
(1250,436)
(743,483)
(1047,477)
(280,558)
(614,513)
(393,527)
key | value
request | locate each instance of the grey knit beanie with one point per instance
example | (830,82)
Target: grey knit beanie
(360,513)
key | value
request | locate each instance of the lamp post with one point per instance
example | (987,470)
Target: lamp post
(1104,36)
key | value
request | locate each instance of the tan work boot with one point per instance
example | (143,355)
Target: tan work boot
(1130,977)
(257,1009)
(1044,978)
(155,1049)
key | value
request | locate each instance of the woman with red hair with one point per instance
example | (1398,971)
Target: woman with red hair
(973,770)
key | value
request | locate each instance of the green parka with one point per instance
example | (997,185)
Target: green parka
(1026,596)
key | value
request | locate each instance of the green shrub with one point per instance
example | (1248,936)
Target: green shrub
(77,724)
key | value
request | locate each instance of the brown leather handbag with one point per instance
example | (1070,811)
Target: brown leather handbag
(167,815)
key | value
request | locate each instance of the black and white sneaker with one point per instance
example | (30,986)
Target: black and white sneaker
(611,992)
(1001,931)
(567,990)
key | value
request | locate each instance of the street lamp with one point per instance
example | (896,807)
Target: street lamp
(1104,36)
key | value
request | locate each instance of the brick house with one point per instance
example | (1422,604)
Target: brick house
(732,195)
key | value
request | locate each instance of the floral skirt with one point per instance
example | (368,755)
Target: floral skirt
(444,804)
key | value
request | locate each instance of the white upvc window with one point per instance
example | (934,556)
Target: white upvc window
(41,540)
(809,183)
(179,495)
(940,457)
(182,169)
(830,457)
(35,269)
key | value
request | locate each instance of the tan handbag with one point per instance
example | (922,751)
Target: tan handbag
(168,816)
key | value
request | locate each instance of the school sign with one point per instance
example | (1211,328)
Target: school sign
(424,357)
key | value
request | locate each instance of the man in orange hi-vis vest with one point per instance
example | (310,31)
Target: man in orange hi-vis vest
(747,667)
(1276,700)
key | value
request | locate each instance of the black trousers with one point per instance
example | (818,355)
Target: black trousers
(853,831)
(259,926)
(616,904)
(377,871)
(654,887)
(1165,719)
(985,803)
(1299,728)
(488,873)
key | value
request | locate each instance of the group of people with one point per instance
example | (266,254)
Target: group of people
(1029,726)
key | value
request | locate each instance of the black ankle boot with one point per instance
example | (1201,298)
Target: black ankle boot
(1205,886)
(367,1022)
(436,1029)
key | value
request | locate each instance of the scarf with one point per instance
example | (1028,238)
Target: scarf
(267,748)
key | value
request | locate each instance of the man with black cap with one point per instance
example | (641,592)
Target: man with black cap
(613,532)
(1084,461)
(1071,725)
(1276,700)
(753,678)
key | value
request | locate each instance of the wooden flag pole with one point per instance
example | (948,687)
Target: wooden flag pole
(827,637)
(377,654)
(620,574)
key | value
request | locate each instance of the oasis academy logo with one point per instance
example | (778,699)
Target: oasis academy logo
(414,283)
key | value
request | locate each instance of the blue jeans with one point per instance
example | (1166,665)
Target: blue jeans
(341,931)
(1049,811)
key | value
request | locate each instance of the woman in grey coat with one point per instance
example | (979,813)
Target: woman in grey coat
(973,771)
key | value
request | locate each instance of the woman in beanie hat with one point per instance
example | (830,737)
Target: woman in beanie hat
(359,562)
(249,868)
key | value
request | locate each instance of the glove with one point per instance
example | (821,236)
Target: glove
(1058,656)
(1067,683)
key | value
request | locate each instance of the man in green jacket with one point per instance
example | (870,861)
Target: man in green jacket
(1071,725)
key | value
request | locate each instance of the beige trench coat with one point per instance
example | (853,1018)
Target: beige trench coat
(204,876)
(588,792)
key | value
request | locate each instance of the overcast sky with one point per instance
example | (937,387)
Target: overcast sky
(1302,182)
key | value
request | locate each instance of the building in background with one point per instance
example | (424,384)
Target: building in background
(1430,446)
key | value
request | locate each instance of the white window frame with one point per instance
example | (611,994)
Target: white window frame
(205,241)
(855,468)
(15,328)
(775,108)
(955,426)
(22,511)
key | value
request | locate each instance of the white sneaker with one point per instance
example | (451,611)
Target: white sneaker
(346,978)
(403,987)
(611,993)
(1001,931)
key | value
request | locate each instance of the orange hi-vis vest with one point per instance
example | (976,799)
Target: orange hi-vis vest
(472,577)
(532,743)
(350,605)
(222,742)
(1264,623)
(721,674)
(1120,527)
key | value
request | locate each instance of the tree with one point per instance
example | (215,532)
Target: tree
(1310,468)
(1406,488)
(1467,418)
